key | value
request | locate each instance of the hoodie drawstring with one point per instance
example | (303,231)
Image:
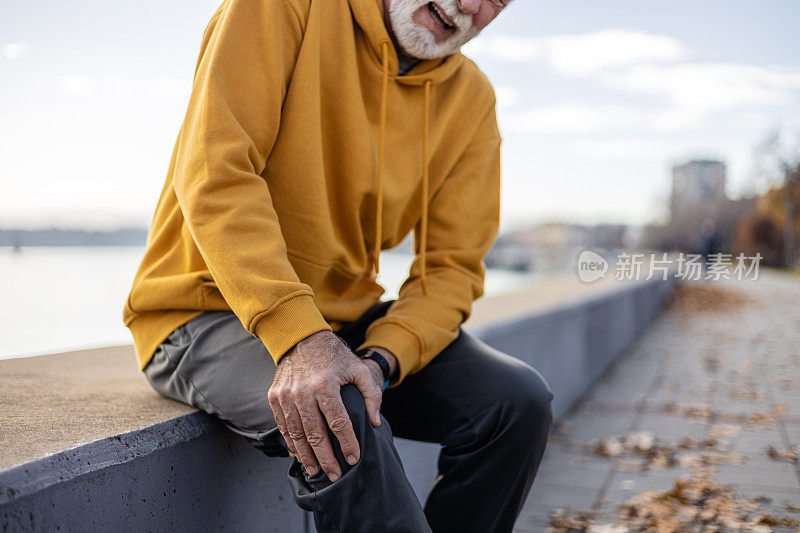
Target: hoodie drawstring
(423,235)
(423,238)
(381,147)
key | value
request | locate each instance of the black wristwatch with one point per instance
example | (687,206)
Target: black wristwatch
(369,353)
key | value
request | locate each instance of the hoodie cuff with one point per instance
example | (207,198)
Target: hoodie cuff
(402,343)
(289,323)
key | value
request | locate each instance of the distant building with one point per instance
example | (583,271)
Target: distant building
(552,246)
(698,185)
(701,212)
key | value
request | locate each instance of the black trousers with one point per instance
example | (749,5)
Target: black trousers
(490,412)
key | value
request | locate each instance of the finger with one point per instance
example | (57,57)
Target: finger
(371,392)
(303,452)
(280,421)
(331,405)
(294,427)
(316,432)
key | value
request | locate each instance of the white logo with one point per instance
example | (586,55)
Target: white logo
(591,266)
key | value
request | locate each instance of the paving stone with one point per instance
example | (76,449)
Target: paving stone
(593,477)
(781,478)
(628,484)
(584,427)
(672,428)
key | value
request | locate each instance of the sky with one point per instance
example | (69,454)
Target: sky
(596,102)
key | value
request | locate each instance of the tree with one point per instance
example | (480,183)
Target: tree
(778,167)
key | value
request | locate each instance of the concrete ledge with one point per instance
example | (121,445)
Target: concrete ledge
(573,342)
(186,472)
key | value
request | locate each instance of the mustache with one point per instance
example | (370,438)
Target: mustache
(461,21)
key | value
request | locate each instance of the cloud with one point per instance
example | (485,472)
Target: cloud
(682,94)
(588,119)
(14,50)
(649,64)
(166,88)
(709,87)
(565,119)
(75,85)
(581,54)
(507,96)
(580,118)
(623,148)
(507,48)
(120,88)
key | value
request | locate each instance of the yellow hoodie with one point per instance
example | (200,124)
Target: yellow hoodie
(301,156)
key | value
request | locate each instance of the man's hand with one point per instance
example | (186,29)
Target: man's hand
(306,392)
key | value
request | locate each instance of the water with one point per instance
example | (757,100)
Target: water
(61,298)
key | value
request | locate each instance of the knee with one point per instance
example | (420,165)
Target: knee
(366,434)
(354,404)
(357,411)
(529,401)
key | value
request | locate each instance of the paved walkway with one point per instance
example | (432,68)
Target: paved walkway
(706,391)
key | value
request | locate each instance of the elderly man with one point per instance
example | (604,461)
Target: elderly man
(318,133)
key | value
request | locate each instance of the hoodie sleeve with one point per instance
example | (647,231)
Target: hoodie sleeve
(463,220)
(248,52)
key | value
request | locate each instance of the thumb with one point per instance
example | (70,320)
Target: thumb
(371,392)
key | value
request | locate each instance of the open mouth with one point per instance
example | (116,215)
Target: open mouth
(440,16)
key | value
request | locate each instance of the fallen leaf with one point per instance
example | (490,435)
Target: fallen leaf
(769,520)
(724,430)
(782,454)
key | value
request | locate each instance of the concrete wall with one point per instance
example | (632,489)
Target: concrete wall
(190,474)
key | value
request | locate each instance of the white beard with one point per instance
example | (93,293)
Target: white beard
(418,41)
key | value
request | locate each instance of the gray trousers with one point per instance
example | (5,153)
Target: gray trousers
(490,412)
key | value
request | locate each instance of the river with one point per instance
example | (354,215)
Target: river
(61,298)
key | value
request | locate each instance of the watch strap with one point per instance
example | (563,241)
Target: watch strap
(369,353)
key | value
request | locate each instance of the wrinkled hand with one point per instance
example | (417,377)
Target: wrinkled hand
(306,392)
